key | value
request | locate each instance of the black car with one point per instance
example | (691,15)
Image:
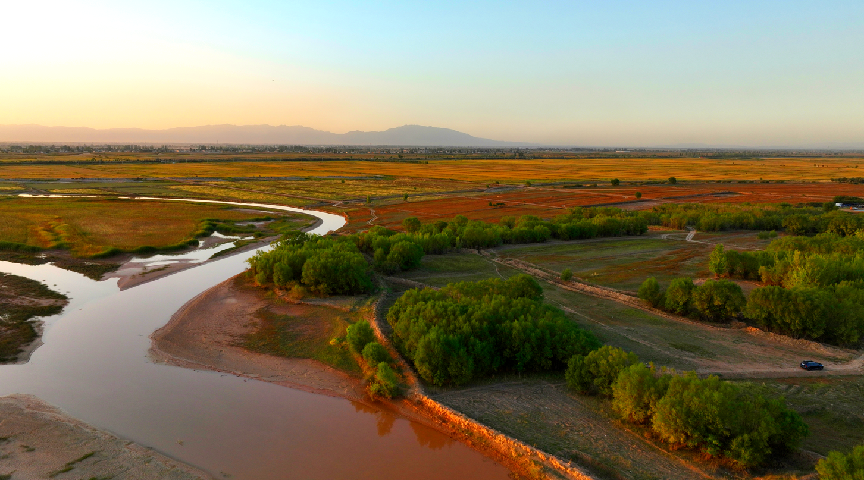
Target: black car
(811,365)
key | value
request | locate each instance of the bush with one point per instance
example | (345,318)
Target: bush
(375,353)
(359,335)
(766,235)
(566,275)
(673,180)
(385,383)
(717,263)
(636,391)
(837,466)
(595,372)
(615,182)
(650,292)
(718,300)
(679,294)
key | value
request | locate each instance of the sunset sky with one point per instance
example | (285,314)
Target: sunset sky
(568,72)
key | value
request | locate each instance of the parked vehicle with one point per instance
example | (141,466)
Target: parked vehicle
(811,365)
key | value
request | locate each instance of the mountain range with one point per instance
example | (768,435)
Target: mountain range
(407,135)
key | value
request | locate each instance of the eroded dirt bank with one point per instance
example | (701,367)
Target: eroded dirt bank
(39,441)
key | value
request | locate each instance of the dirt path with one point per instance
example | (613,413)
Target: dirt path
(39,441)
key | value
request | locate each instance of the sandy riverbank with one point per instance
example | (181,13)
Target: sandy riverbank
(205,334)
(39,441)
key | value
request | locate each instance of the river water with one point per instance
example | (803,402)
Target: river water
(94,366)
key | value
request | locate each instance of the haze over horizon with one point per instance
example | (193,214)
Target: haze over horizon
(556,73)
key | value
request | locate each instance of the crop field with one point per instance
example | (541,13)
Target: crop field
(90,226)
(472,170)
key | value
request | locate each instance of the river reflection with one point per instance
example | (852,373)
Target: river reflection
(94,365)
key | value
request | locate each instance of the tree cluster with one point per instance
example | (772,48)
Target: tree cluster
(324,265)
(814,285)
(713,416)
(715,300)
(472,329)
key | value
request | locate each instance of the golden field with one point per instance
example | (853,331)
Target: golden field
(470,170)
(89,227)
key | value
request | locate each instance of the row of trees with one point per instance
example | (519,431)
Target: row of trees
(472,329)
(716,417)
(715,300)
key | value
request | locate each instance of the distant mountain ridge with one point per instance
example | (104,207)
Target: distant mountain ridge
(406,135)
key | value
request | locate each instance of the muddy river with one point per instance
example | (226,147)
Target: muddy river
(94,366)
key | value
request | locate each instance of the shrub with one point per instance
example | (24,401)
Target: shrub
(766,235)
(359,335)
(650,292)
(385,383)
(375,353)
(673,180)
(595,372)
(638,195)
(718,300)
(636,391)
(837,466)
(679,295)
(566,275)
(615,182)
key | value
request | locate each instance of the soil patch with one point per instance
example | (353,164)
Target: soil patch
(209,333)
(39,441)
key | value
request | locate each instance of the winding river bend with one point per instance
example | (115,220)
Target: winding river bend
(94,366)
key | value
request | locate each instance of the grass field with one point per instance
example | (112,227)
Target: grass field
(89,226)
(831,406)
(482,171)
(305,331)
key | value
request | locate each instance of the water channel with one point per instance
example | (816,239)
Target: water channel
(94,366)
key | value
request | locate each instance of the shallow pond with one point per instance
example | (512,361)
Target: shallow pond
(94,366)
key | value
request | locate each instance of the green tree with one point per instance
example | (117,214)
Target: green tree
(359,334)
(837,466)
(375,353)
(717,261)
(650,292)
(405,254)
(615,182)
(636,391)
(595,372)
(566,275)
(678,298)
(673,180)
(405,197)
(385,382)
(718,300)
(638,195)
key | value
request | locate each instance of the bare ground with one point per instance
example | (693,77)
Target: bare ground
(207,331)
(39,441)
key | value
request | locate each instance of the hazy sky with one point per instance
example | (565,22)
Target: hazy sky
(570,72)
